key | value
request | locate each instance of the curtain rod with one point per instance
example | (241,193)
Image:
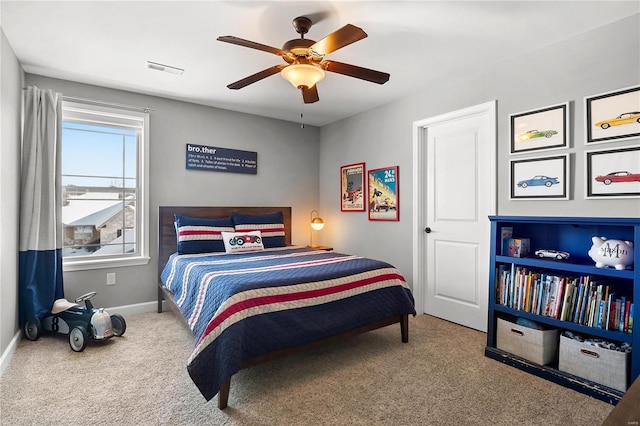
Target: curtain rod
(104,103)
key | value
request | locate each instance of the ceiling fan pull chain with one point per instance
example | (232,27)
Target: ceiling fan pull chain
(301,114)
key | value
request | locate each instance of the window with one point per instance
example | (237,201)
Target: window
(104,187)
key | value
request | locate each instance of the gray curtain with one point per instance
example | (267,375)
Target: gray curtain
(40,257)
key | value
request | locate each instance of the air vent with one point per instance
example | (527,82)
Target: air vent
(166,68)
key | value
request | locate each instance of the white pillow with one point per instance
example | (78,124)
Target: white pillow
(237,242)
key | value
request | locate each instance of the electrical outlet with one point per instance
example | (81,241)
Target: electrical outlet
(111,278)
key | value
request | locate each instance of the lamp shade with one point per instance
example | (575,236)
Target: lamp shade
(302,75)
(317,223)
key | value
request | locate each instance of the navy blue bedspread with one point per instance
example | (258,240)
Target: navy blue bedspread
(242,305)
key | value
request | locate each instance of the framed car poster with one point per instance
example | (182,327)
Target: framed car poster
(613,116)
(540,129)
(542,178)
(384,194)
(613,173)
(352,187)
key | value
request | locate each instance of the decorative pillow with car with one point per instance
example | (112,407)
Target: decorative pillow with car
(235,242)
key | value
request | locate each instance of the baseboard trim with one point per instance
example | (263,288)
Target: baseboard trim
(8,353)
(137,308)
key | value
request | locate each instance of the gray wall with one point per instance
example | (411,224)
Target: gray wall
(287,175)
(11,77)
(605,59)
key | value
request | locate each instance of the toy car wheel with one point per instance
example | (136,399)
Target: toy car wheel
(78,339)
(118,324)
(607,181)
(548,184)
(31,330)
(540,255)
(548,135)
(559,257)
(525,184)
(605,125)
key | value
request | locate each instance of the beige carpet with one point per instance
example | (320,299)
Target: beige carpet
(440,377)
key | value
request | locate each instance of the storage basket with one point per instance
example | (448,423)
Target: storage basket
(539,346)
(600,365)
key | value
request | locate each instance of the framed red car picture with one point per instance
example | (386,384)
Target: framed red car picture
(383,195)
(613,173)
(352,187)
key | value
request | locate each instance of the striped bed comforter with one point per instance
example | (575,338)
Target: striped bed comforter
(243,305)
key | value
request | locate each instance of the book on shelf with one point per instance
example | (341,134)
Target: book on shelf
(506,232)
(623,305)
(626,315)
(580,304)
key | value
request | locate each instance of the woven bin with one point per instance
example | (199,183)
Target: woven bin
(600,365)
(539,346)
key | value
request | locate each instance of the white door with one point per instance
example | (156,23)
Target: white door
(455,192)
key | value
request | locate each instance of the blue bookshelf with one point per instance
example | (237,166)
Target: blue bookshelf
(572,235)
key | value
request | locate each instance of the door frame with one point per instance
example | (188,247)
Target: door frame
(420,129)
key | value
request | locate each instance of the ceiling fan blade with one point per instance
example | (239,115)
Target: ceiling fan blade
(251,44)
(355,71)
(256,77)
(339,39)
(310,96)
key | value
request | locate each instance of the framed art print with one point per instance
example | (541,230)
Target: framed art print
(352,187)
(383,194)
(540,129)
(543,178)
(613,116)
(613,173)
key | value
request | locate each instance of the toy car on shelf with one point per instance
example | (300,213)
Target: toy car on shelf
(554,254)
(81,323)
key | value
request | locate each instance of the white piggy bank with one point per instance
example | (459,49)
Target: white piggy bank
(616,253)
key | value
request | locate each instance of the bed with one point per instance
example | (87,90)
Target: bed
(250,307)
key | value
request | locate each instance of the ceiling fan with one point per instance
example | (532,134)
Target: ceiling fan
(305,59)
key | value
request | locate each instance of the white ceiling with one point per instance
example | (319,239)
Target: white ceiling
(107,43)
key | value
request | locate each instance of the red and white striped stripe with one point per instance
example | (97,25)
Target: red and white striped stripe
(201,233)
(267,229)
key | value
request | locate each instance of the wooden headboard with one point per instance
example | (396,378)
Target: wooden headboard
(167,242)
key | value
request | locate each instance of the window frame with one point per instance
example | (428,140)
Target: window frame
(88,113)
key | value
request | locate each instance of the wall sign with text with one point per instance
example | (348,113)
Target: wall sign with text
(214,159)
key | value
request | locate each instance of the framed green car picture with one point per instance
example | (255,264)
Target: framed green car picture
(539,129)
(613,116)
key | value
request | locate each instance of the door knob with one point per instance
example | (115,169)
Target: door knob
(427,230)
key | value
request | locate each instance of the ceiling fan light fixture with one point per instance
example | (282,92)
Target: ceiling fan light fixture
(302,75)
